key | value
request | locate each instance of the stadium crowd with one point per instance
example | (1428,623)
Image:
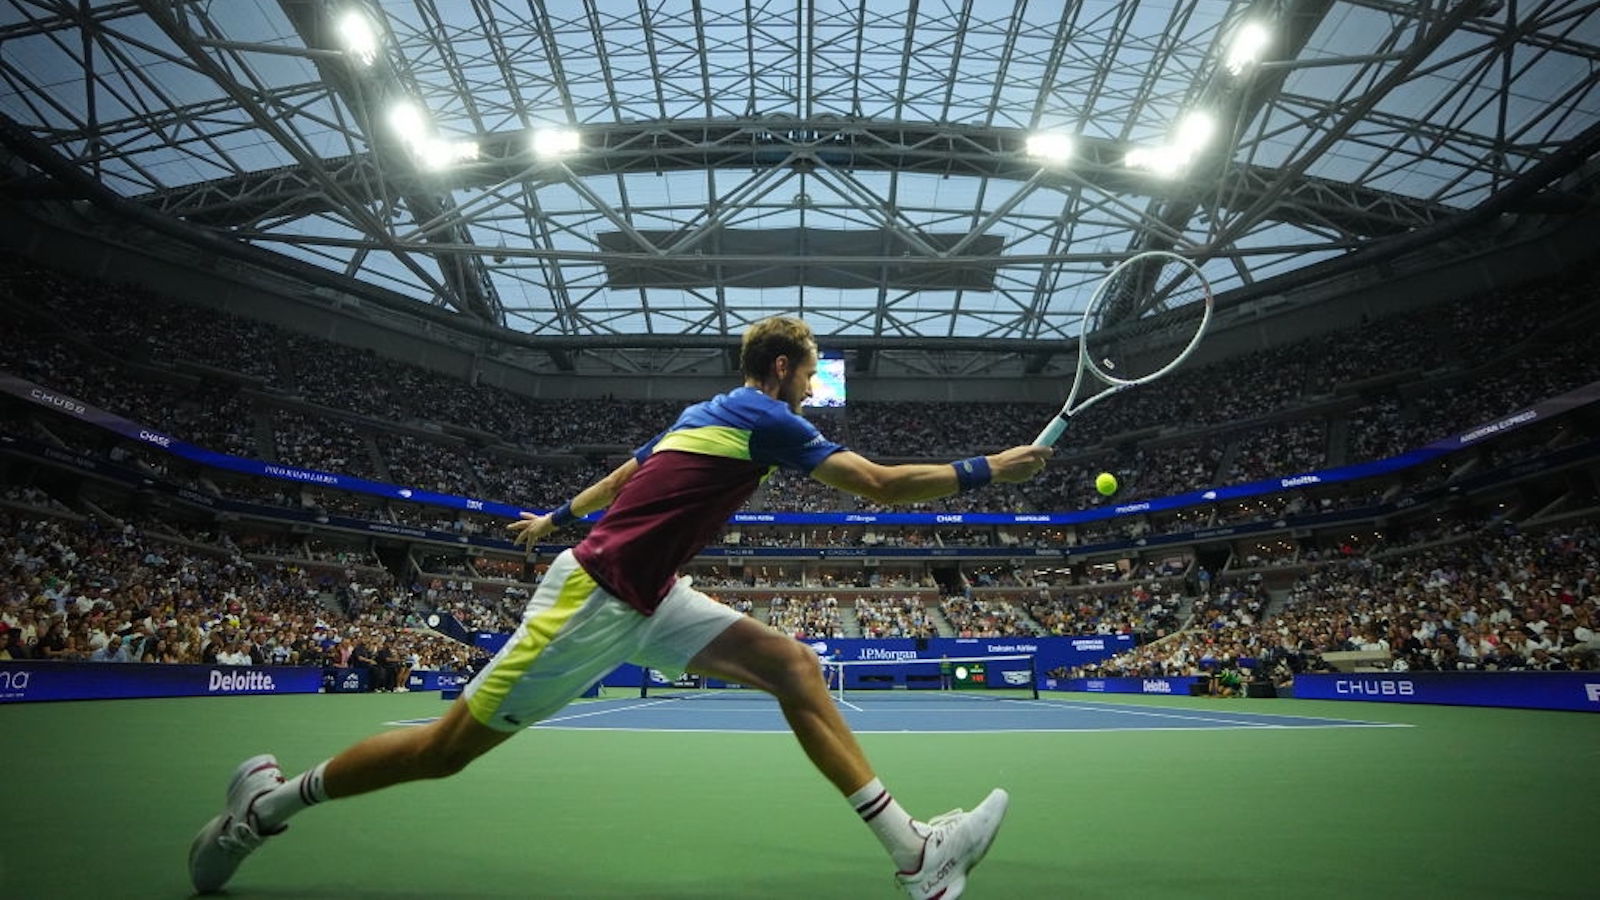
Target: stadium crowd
(806,617)
(894,617)
(1497,599)
(98,591)
(1148,609)
(978,617)
(125,351)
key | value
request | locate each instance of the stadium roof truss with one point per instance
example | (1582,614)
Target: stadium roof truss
(866,165)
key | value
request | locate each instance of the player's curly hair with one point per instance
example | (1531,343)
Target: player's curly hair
(769,339)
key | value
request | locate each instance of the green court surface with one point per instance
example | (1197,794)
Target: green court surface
(103,798)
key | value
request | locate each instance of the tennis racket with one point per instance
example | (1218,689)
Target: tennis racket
(1144,319)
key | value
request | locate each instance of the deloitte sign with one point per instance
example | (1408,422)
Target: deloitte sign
(28,682)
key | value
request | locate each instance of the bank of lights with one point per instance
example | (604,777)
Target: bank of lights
(1049,147)
(553,142)
(1246,48)
(360,39)
(433,152)
(1193,134)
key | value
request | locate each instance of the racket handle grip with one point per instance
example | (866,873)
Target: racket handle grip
(1051,432)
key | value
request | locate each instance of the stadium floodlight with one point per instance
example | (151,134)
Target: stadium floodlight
(1194,132)
(1162,161)
(551,142)
(408,122)
(436,153)
(360,38)
(1049,146)
(1247,46)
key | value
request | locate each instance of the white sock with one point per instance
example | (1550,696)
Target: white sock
(302,791)
(894,827)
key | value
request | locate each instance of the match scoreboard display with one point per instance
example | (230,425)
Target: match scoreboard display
(968,675)
(827,386)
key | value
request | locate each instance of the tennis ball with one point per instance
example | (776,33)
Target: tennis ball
(1106,483)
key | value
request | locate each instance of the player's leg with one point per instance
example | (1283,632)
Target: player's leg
(260,800)
(436,750)
(933,858)
(752,654)
(570,636)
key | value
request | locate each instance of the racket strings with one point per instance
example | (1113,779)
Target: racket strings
(1146,316)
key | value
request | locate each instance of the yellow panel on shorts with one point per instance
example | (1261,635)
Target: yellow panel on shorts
(537,633)
(709,440)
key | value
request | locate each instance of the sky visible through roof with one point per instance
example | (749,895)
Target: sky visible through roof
(1462,125)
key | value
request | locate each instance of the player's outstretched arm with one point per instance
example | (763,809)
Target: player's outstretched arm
(912,482)
(599,495)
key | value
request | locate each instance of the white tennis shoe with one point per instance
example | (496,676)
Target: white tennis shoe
(227,839)
(957,842)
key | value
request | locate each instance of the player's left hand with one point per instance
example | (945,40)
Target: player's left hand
(527,532)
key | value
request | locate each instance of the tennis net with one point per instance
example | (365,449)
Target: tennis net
(974,677)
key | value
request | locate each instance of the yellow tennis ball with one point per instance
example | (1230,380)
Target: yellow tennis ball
(1106,483)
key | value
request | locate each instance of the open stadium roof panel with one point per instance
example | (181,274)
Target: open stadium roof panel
(868,165)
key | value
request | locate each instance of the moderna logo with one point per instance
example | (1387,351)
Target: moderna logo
(14,683)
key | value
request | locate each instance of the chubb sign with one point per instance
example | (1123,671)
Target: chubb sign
(1374,688)
(1576,691)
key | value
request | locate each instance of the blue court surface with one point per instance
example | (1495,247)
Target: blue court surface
(924,713)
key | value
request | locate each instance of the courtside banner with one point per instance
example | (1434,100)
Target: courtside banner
(22,682)
(1048,652)
(435,681)
(1528,690)
(1167,685)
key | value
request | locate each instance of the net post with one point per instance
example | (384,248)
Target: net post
(1033,670)
(644,683)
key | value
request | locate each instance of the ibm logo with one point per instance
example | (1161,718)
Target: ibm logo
(1593,690)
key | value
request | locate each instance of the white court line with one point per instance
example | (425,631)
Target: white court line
(919,732)
(597,712)
(844,702)
(1114,707)
(1178,713)
(601,712)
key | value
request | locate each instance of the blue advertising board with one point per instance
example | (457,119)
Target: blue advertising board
(1166,685)
(491,641)
(1528,690)
(435,681)
(347,680)
(22,682)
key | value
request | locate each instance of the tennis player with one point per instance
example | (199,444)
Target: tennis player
(617,597)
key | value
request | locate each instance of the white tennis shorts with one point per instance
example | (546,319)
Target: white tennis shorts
(573,633)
